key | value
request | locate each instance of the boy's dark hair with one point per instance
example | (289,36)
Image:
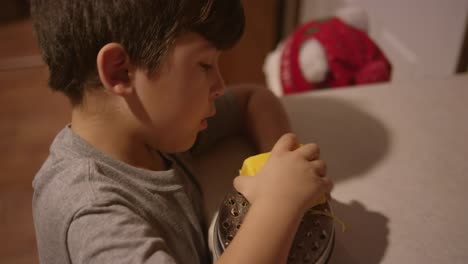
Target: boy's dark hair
(71,33)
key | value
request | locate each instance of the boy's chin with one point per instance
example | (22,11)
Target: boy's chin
(182,145)
(183,149)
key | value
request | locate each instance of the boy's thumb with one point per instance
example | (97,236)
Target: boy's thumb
(244,185)
(286,142)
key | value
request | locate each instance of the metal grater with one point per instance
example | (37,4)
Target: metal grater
(313,242)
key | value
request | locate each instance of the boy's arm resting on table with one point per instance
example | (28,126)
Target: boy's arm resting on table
(265,120)
(114,234)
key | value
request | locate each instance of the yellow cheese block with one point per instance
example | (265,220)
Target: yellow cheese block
(253,164)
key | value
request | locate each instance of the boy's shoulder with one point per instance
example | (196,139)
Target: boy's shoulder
(62,184)
(67,180)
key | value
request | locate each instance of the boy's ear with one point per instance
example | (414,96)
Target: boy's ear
(114,69)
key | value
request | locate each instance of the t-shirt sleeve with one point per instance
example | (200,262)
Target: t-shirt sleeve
(115,234)
(227,122)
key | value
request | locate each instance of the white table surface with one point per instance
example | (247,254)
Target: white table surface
(398,154)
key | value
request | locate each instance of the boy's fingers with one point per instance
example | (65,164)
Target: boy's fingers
(287,142)
(327,184)
(243,184)
(310,151)
(320,167)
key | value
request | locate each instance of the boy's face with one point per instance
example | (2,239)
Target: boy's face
(180,96)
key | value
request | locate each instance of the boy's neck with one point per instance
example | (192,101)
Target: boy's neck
(112,137)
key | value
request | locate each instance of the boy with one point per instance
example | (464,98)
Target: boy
(143,80)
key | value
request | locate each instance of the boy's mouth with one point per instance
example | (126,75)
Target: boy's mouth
(212,113)
(204,124)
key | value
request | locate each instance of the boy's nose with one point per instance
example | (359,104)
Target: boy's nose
(218,87)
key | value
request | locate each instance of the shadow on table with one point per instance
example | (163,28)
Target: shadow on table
(351,141)
(366,237)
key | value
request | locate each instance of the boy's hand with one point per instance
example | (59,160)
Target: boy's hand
(293,176)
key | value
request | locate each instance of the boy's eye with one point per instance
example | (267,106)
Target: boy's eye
(206,66)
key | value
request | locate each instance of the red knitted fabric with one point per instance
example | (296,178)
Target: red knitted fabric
(352,57)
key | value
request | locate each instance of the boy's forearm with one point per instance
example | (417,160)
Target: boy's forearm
(266,120)
(265,236)
(268,230)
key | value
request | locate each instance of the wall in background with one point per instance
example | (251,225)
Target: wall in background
(422,38)
(243,63)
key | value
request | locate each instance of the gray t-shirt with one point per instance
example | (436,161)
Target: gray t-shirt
(90,208)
